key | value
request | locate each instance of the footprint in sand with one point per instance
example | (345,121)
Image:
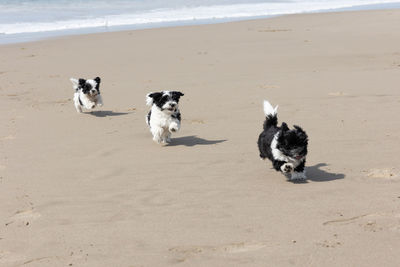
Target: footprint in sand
(196,121)
(6,257)
(338,94)
(241,247)
(332,242)
(157,200)
(385,173)
(8,137)
(372,222)
(24,216)
(329,244)
(190,251)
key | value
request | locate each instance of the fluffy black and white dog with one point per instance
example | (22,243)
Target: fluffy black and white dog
(164,117)
(287,149)
(87,93)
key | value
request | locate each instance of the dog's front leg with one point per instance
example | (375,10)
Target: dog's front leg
(88,104)
(166,137)
(77,104)
(174,126)
(99,101)
(277,164)
(91,105)
(287,168)
(157,133)
(78,107)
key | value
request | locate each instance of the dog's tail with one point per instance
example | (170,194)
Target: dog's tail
(75,83)
(271,114)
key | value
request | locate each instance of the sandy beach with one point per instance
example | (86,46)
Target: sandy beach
(93,189)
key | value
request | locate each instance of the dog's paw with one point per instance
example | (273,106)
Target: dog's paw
(100,104)
(173,127)
(287,168)
(298,176)
(157,140)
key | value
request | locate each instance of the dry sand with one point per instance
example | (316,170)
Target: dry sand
(94,190)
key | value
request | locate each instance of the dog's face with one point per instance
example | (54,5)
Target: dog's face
(166,101)
(89,87)
(293,143)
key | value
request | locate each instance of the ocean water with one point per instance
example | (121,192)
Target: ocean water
(25,20)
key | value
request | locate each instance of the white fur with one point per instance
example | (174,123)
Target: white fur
(287,168)
(75,83)
(88,101)
(162,124)
(269,110)
(278,155)
(149,100)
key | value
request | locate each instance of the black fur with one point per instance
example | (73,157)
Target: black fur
(290,142)
(86,87)
(265,138)
(82,83)
(164,117)
(160,98)
(176,116)
(148,118)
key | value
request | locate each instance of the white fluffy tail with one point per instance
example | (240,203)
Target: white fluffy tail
(149,100)
(75,83)
(269,110)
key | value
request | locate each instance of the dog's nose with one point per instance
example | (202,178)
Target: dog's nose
(172,105)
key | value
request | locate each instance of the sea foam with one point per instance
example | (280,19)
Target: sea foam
(194,14)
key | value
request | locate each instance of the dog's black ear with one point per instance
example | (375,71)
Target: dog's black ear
(284,127)
(153,97)
(97,79)
(298,128)
(176,95)
(301,134)
(82,82)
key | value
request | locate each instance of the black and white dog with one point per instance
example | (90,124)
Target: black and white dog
(87,93)
(164,117)
(287,149)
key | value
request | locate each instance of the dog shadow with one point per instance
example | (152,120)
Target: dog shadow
(106,113)
(192,141)
(315,174)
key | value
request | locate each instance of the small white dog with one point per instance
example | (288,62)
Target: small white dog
(87,93)
(164,117)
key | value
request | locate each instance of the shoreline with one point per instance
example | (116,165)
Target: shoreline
(6,39)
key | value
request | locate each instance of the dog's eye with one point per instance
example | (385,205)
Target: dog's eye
(88,86)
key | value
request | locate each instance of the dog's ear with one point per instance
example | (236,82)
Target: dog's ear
(301,134)
(284,127)
(75,83)
(176,95)
(152,97)
(298,128)
(82,82)
(97,80)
